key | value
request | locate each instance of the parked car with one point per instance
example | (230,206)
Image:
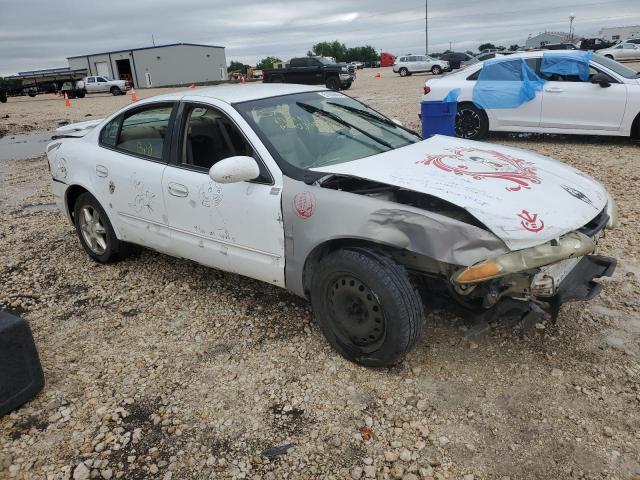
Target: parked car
(622,51)
(559,46)
(357,65)
(97,84)
(455,58)
(313,71)
(608,103)
(635,41)
(408,64)
(489,55)
(313,191)
(594,44)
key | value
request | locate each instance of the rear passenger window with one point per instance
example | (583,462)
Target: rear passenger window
(144,132)
(109,134)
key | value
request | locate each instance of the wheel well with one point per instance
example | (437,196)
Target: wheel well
(73,192)
(635,128)
(324,249)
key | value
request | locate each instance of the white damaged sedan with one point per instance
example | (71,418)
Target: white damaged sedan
(315,192)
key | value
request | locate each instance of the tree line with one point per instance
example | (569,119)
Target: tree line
(337,50)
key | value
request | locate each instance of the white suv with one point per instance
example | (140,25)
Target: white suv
(419,63)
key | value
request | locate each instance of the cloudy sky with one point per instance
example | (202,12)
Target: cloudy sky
(42,33)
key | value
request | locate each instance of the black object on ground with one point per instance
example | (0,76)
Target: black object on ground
(21,376)
(276,451)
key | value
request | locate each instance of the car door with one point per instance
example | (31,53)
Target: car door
(235,226)
(573,104)
(135,148)
(525,115)
(102,84)
(630,51)
(91,84)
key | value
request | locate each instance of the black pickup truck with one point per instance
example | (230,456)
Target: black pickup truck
(313,71)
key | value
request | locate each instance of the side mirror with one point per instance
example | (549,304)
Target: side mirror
(234,170)
(601,79)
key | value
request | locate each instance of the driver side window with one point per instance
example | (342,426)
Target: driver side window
(210,136)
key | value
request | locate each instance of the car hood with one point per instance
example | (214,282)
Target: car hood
(524,198)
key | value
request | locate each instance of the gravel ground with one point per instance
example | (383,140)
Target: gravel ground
(159,368)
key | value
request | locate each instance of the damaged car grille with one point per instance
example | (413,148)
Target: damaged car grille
(596,225)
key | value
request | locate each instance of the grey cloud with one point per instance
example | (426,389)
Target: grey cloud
(42,33)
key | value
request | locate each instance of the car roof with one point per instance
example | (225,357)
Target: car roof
(239,93)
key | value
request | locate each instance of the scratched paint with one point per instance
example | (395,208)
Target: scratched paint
(144,196)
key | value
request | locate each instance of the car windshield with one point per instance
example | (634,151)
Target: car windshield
(315,129)
(108,79)
(616,67)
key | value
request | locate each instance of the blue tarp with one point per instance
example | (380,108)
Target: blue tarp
(506,83)
(563,63)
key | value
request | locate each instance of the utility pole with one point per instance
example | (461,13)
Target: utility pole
(426,27)
(571,17)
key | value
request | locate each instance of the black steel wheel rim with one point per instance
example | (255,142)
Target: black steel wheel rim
(468,123)
(357,317)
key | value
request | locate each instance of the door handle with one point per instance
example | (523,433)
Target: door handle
(178,190)
(554,90)
(101,171)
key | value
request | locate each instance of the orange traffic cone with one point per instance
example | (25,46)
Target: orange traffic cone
(193,85)
(134,97)
(242,80)
(378,75)
(67,102)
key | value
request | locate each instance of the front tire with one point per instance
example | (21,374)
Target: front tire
(95,231)
(471,122)
(115,91)
(403,72)
(333,83)
(366,306)
(436,70)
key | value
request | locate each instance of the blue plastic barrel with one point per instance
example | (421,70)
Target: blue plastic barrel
(438,117)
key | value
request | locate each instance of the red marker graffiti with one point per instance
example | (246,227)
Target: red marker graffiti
(304,204)
(530,221)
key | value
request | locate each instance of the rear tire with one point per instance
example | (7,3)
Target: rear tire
(115,91)
(95,231)
(436,70)
(333,83)
(403,72)
(3,98)
(71,94)
(80,93)
(471,122)
(366,306)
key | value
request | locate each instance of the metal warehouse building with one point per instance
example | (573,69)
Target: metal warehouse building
(161,66)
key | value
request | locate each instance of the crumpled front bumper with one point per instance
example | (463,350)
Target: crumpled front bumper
(579,283)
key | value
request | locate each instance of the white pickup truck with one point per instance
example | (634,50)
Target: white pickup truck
(105,84)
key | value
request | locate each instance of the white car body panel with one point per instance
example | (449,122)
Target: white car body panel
(424,64)
(522,197)
(562,107)
(622,51)
(237,226)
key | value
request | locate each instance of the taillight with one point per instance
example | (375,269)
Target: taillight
(427,89)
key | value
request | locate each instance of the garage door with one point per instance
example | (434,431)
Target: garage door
(102,69)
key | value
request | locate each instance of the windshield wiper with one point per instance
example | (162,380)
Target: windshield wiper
(364,113)
(372,116)
(336,118)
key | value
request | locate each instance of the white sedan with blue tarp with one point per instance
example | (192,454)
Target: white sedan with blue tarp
(569,92)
